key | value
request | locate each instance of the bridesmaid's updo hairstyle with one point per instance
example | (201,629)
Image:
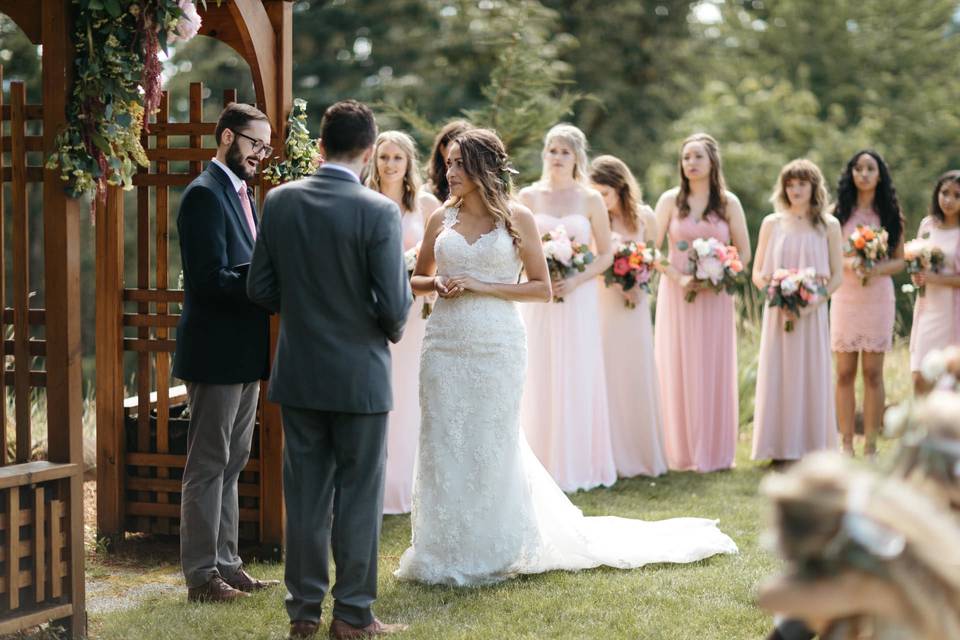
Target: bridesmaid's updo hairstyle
(486,162)
(885,201)
(614,173)
(805,171)
(437,169)
(935,210)
(411,178)
(574,138)
(717,203)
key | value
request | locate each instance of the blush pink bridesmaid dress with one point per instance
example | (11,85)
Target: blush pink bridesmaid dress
(564,409)
(696,355)
(794,411)
(936,316)
(403,425)
(633,394)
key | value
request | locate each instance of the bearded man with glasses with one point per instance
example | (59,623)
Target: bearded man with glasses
(223,342)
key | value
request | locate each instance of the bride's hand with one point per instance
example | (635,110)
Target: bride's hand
(467,283)
(446,288)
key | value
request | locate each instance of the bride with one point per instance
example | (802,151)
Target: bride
(484,508)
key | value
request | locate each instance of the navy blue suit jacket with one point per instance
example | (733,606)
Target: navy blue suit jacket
(222,337)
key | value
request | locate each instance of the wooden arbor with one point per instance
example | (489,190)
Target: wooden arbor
(41,503)
(139,468)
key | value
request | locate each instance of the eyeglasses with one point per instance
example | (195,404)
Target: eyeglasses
(258,146)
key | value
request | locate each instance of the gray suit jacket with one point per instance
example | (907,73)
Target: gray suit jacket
(329,258)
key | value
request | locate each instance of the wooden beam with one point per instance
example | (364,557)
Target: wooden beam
(21,274)
(61,238)
(20,475)
(111,440)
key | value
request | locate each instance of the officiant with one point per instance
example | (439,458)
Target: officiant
(222,354)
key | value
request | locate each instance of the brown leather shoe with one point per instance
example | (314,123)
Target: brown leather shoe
(216,590)
(300,629)
(341,630)
(243,581)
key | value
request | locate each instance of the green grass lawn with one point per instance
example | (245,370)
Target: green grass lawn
(712,599)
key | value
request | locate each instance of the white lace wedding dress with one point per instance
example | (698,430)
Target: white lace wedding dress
(484,508)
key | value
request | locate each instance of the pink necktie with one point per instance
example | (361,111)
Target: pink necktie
(247,210)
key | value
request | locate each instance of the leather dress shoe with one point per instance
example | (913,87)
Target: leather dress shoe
(300,629)
(216,590)
(243,581)
(341,630)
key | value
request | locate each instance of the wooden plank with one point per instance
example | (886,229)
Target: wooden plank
(152,295)
(13,547)
(167,485)
(61,237)
(34,618)
(3,297)
(182,129)
(144,360)
(34,379)
(183,154)
(175,394)
(162,361)
(34,347)
(31,112)
(56,569)
(33,174)
(150,320)
(39,544)
(111,435)
(30,143)
(157,510)
(146,347)
(21,275)
(170,180)
(26,546)
(27,473)
(173,460)
(196,116)
(34,317)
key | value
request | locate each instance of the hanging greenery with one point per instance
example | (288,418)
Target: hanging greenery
(116,88)
(301,152)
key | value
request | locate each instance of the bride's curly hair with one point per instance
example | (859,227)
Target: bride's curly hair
(486,162)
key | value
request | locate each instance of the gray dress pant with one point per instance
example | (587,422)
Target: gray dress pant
(333,472)
(218,447)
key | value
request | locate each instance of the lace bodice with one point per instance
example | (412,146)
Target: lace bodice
(492,258)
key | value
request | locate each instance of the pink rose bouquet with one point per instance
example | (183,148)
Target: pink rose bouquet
(922,256)
(868,246)
(714,265)
(632,267)
(793,289)
(564,256)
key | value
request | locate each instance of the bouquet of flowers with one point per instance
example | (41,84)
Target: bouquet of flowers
(793,289)
(564,257)
(714,264)
(921,255)
(868,246)
(410,260)
(632,267)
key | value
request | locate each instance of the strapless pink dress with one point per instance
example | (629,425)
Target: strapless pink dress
(696,354)
(564,411)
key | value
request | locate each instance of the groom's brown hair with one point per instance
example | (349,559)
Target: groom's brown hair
(348,129)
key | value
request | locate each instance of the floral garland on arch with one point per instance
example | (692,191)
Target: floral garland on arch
(116,88)
(301,152)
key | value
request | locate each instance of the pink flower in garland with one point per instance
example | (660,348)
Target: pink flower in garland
(189,24)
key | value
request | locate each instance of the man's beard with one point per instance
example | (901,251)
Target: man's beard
(235,162)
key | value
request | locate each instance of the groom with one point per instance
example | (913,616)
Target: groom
(329,258)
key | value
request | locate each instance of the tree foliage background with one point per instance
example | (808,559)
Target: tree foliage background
(770,79)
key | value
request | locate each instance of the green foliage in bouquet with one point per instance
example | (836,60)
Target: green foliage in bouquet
(301,152)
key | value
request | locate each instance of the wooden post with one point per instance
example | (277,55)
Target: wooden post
(3,300)
(21,272)
(61,237)
(111,440)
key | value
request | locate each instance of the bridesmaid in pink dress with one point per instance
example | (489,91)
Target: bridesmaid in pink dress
(564,410)
(393,172)
(794,410)
(695,342)
(936,316)
(633,395)
(861,316)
